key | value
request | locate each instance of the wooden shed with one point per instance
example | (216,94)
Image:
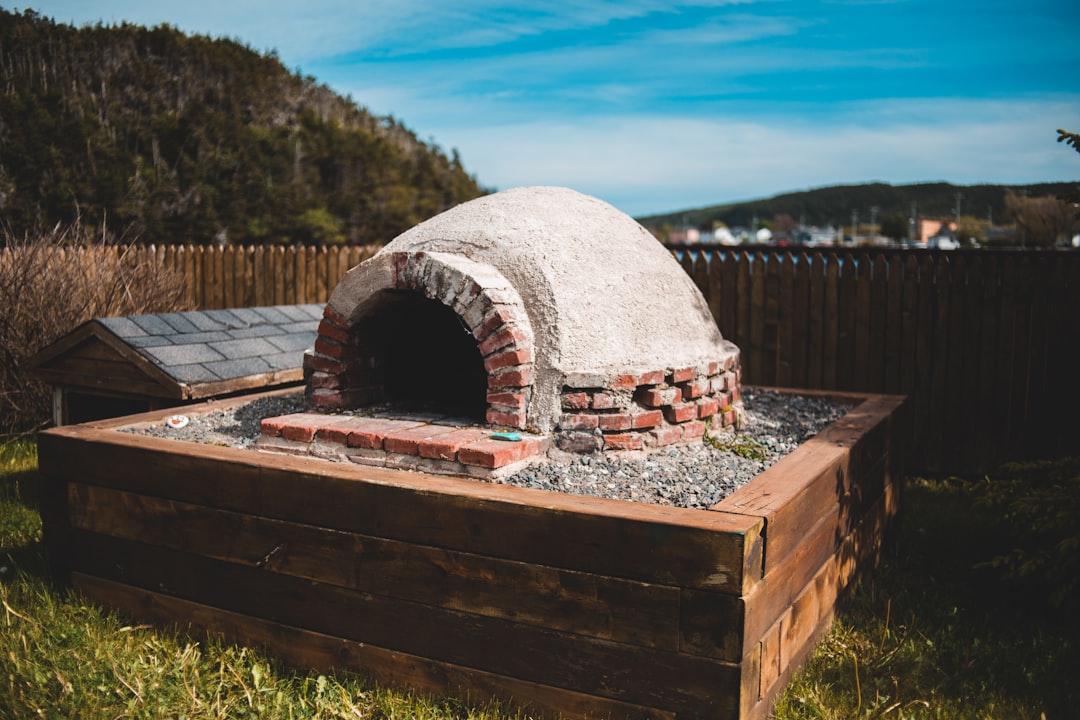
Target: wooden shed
(115,366)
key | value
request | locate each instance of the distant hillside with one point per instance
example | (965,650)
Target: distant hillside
(179,138)
(835,204)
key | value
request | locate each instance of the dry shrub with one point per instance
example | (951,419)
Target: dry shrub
(50,285)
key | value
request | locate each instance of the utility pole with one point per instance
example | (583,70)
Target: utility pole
(959,197)
(873,217)
(854,225)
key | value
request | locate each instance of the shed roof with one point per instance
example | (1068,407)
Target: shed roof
(183,355)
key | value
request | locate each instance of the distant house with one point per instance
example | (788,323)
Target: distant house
(723,236)
(928,228)
(684,236)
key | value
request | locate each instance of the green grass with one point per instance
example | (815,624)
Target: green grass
(936,632)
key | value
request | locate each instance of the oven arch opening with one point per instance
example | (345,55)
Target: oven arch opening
(425,356)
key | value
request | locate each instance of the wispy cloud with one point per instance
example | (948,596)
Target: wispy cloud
(653,164)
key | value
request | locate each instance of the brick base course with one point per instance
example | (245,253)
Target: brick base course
(400,443)
(651,409)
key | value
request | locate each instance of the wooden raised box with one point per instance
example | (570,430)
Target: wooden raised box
(561,604)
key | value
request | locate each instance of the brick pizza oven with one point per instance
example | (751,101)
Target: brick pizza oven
(538,309)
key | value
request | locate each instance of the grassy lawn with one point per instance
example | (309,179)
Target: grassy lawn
(933,634)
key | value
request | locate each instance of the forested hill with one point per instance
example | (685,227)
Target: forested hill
(176,138)
(834,205)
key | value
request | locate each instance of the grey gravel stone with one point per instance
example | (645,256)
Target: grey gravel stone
(694,475)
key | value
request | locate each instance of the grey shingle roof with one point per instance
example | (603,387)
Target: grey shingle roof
(208,346)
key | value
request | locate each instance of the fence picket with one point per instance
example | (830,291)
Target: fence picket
(815,305)
(878,320)
(893,323)
(756,372)
(864,269)
(831,341)
(800,320)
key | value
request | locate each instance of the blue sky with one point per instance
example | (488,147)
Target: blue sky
(661,105)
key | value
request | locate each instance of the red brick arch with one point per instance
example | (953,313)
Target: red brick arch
(341,369)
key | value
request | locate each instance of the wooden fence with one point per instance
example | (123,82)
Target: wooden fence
(986,344)
(226,277)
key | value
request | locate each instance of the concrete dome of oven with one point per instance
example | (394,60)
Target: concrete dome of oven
(602,295)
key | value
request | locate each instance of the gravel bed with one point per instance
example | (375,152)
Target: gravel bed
(695,475)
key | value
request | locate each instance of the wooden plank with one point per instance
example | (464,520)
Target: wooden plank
(831,341)
(845,349)
(879,321)
(730,294)
(218,255)
(298,293)
(320,651)
(786,355)
(952,428)
(259,276)
(715,295)
(278,273)
(626,673)
(771,339)
(799,340)
(892,324)
(91,381)
(1006,364)
(815,346)
(989,425)
(936,391)
(970,413)
(581,603)
(199,257)
(228,277)
(909,326)
(55,528)
(700,273)
(771,598)
(924,357)
(1025,290)
(792,496)
(309,276)
(1044,399)
(757,360)
(272,379)
(190,276)
(322,259)
(1069,335)
(811,614)
(92,348)
(246,293)
(113,372)
(861,322)
(634,541)
(742,327)
(171,262)
(686,260)
(345,264)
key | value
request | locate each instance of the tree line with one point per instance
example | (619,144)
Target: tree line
(151,133)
